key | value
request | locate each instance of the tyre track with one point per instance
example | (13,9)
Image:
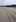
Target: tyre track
(10,15)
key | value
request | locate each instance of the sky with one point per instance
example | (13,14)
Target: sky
(7,2)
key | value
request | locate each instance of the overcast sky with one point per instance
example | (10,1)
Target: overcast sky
(7,2)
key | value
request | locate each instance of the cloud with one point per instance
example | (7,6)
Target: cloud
(7,2)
